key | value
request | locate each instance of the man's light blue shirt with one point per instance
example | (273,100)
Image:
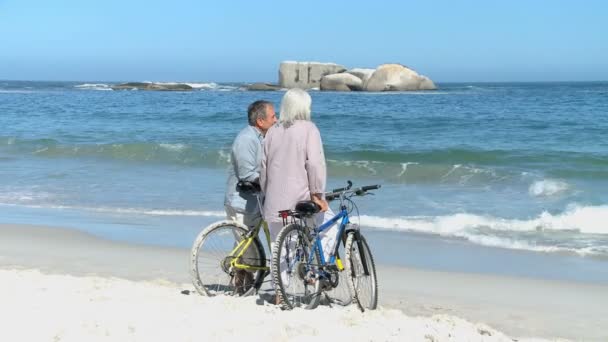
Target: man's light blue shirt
(246,162)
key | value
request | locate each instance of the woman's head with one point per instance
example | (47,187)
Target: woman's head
(295,105)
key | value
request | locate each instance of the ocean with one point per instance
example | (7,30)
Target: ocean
(504,178)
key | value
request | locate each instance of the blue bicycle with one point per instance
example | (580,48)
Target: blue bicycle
(300,269)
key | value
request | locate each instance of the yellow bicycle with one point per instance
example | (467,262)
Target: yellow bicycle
(227,258)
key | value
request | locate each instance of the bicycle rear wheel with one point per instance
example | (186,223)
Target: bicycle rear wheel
(296,280)
(361,272)
(210,259)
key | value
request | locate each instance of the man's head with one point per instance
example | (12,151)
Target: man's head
(261,115)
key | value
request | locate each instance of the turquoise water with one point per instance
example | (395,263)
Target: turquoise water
(515,166)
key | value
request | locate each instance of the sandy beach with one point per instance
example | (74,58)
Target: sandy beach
(64,285)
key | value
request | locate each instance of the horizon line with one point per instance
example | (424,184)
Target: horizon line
(276,83)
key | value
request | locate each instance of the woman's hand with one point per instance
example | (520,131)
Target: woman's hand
(318,199)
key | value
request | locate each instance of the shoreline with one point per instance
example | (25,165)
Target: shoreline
(517,306)
(397,248)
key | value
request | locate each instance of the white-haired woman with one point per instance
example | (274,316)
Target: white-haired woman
(293,164)
(293,167)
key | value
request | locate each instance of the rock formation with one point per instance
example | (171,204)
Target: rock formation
(305,75)
(262,87)
(396,77)
(363,74)
(152,86)
(331,76)
(341,82)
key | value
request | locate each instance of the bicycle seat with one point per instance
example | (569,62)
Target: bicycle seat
(247,187)
(307,208)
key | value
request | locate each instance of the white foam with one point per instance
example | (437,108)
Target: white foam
(24,202)
(454,168)
(159,212)
(173,147)
(586,219)
(495,241)
(23,196)
(404,167)
(548,188)
(202,86)
(210,85)
(368,166)
(93,86)
(224,156)
(194,85)
(583,219)
(479,228)
(7,91)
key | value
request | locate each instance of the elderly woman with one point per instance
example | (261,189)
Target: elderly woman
(293,165)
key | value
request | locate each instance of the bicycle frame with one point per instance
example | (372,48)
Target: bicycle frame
(333,259)
(244,244)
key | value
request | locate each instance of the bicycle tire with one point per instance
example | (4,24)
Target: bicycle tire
(290,269)
(209,261)
(364,288)
(341,294)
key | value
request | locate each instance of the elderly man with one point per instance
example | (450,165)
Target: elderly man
(246,159)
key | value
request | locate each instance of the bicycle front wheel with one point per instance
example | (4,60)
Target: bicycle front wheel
(295,277)
(361,272)
(211,257)
(340,294)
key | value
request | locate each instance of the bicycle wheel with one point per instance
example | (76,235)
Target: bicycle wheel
(362,280)
(340,294)
(295,278)
(210,261)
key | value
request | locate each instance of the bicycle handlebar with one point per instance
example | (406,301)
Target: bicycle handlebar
(350,184)
(248,187)
(371,187)
(358,191)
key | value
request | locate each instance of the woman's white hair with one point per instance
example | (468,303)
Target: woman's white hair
(295,105)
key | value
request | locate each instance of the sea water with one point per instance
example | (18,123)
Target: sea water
(516,170)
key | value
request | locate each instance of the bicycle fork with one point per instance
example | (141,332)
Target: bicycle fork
(361,251)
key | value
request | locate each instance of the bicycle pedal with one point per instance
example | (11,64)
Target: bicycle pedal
(325,285)
(332,268)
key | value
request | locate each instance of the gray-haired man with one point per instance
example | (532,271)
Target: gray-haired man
(246,159)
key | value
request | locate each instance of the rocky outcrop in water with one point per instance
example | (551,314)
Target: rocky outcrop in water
(152,86)
(396,77)
(305,75)
(362,73)
(263,87)
(334,77)
(341,82)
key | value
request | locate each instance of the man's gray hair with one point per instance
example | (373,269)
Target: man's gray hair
(257,110)
(295,106)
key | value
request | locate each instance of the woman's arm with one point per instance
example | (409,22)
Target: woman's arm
(315,167)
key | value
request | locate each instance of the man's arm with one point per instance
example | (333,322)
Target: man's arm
(263,166)
(245,154)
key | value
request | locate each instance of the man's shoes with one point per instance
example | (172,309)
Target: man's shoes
(243,281)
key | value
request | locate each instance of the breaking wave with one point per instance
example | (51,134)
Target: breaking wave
(579,229)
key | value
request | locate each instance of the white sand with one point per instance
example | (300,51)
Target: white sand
(41,307)
(78,298)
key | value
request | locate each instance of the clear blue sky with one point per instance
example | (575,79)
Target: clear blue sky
(197,40)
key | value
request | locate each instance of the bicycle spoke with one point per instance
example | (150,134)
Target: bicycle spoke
(211,263)
(291,269)
(364,286)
